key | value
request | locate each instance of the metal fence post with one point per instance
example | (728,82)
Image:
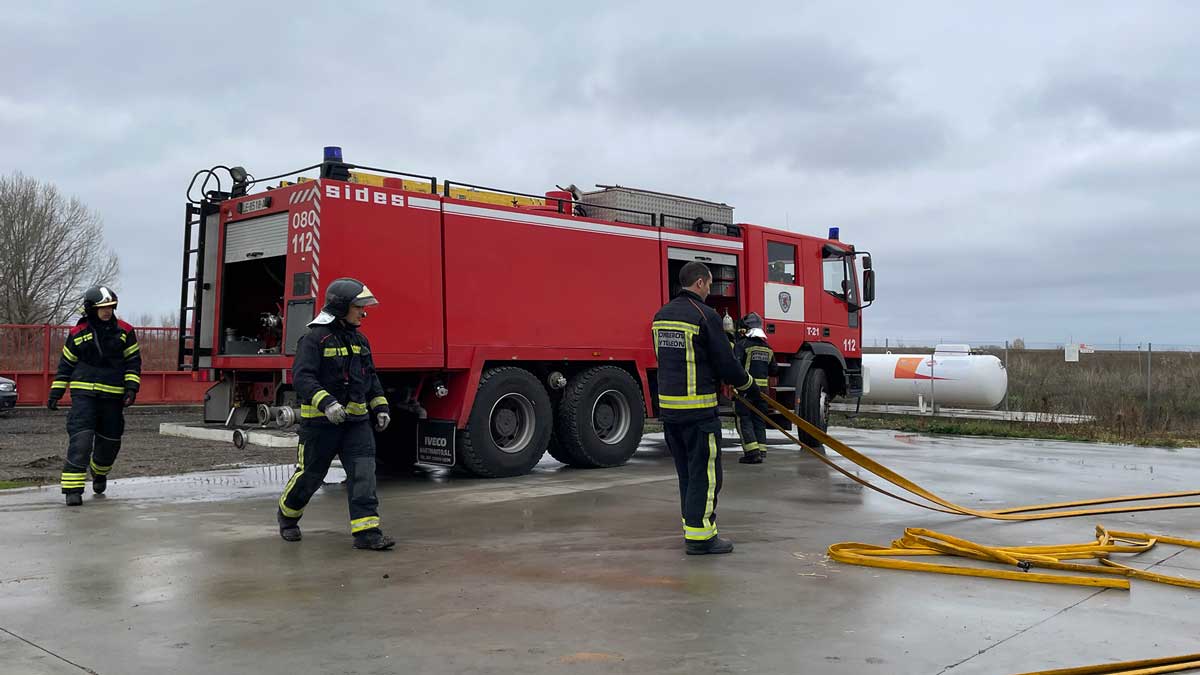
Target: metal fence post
(46,359)
(1149,352)
(1007,373)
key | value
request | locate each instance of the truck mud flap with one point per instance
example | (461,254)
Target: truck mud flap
(435,442)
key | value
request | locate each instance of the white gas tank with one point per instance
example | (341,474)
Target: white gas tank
(950,377)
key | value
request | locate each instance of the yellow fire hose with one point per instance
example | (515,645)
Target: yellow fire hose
(1059,510)
(922,542)
(1172,664)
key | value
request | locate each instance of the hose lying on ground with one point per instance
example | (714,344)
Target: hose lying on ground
(921,542)
(1171,664)
(1058,510)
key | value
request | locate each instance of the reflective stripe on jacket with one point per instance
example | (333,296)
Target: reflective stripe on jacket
(101,358)
(334,364)
(693,354)
(757,357)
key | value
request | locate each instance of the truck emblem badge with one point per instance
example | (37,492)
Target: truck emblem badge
(785,301)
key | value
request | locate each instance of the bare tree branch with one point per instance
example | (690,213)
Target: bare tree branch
(51,249)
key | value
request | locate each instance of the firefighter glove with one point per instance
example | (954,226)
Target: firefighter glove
(382,420)
(335,412)
(130,397)
(52,402)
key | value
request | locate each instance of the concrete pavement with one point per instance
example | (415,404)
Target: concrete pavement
(568,571)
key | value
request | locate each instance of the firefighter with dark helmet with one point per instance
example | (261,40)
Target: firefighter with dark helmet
(693,355)
(755,354)
(101,364)
(339,394)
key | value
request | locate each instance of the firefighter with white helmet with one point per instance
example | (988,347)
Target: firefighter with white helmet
(340,394)
(754,352)
(101,364)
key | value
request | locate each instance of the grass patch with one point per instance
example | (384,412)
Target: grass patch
(1135,397)
(10,484)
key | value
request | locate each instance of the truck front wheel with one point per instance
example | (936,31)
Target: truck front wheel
(813,404)
(509,426)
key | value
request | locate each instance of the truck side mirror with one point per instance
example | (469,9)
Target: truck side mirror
(866,262)
(868,282)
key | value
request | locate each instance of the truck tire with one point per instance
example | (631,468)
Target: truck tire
(600,419)
(813,404)
(509,427)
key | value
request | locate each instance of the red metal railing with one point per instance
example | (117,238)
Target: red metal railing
(29,356)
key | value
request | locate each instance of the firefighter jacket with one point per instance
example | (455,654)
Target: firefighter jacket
(693,353)
(334,363)
(757,357)
(99,358)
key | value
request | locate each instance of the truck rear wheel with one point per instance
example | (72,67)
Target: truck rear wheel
(509,427)
(600,419)
(813,404)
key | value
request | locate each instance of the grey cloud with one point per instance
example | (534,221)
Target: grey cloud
(881,123)
(722,77)
(1174,169)
(797,100)
(871,141)
(1042,288)
(1150,103)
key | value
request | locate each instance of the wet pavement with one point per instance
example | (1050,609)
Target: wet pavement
(583,572)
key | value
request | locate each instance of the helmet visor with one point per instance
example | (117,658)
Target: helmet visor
(365,298)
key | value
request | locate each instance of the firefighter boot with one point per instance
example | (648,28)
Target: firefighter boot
(751,457)
(713,546)
(74,499)
(373,540)
(289,528)
(99,483)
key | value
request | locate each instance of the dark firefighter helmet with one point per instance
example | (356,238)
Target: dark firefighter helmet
(752,320)
(340,295)
(98,296)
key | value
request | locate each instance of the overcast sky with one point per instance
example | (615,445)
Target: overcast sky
(1017,169)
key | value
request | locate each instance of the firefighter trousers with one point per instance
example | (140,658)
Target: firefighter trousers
(94,428)
(319,443)
(751,428)
(696,447)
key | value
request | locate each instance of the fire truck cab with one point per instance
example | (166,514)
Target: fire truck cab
(509,324)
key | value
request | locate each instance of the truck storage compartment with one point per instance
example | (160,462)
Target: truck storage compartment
(683,210)
(724,294)
(252,285)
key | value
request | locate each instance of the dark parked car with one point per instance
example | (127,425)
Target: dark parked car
(8,394)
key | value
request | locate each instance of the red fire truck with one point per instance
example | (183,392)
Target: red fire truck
(509,324)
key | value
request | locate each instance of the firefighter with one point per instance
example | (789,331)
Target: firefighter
(102,364)
(339,393)
(755,354)
(693,354)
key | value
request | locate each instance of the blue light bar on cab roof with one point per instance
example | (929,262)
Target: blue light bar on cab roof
(333,153)
(833,233)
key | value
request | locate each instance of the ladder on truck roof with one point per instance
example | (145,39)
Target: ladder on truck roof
(191,293)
